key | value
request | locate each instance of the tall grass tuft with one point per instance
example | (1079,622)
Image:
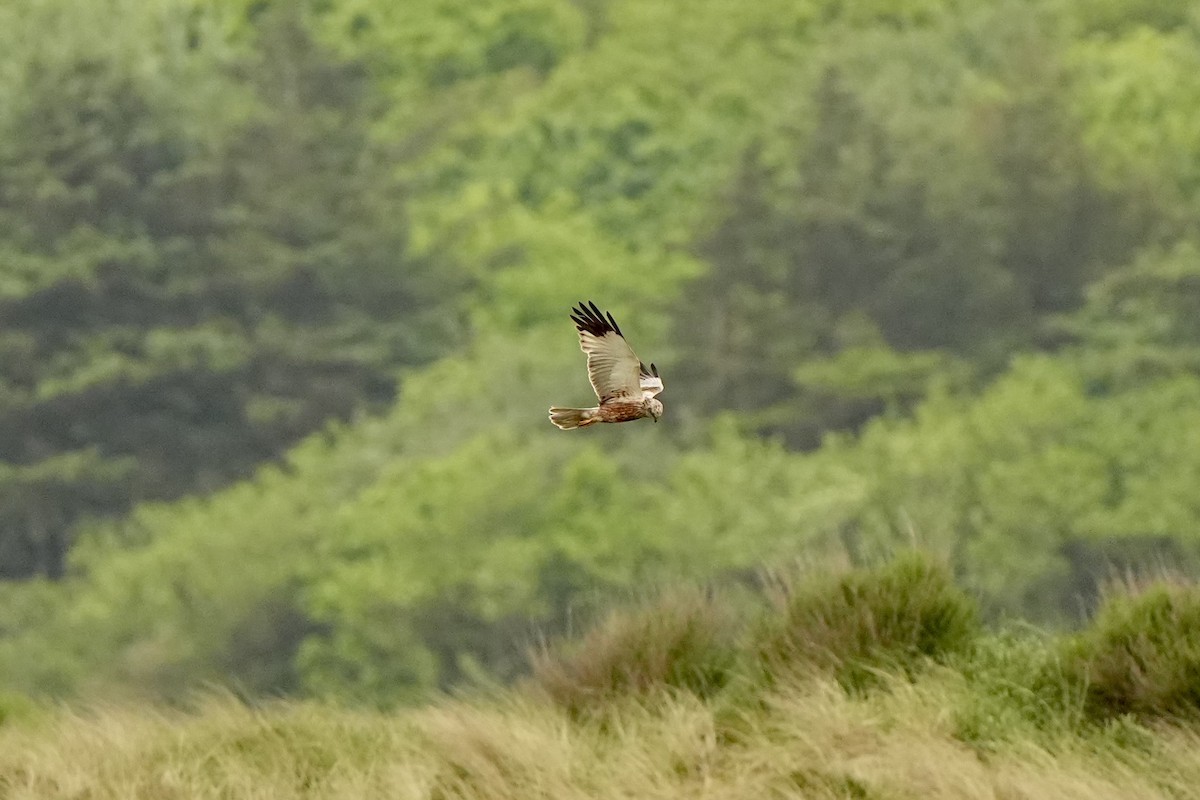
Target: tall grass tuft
(1141,654)
(684,640)
(890,618)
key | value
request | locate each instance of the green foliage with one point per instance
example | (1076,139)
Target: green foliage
(947,250)
(682,640)
(928,197)
(1133,92)
(184,298)
(1120,16)
(1139,322)
(1141,655)
(44,498)
(446,42)
(1036,489)
(1015,686)
(561,526)
(894,617)
(15,708)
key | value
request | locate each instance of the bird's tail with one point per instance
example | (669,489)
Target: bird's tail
(571,418)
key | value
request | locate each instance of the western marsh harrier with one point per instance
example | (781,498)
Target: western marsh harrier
(625,386)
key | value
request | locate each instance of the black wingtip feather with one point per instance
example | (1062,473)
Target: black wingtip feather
(587,317)
(648,371)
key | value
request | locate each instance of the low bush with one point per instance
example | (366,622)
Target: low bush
(1014,689)
(1140,655)
(682,641)
(890,618)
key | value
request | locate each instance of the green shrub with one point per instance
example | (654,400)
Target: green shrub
(1015,689)
(15,707)
(682,641)
(1141,654)
(892,617)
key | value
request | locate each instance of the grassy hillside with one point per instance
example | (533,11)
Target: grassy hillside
(868,684)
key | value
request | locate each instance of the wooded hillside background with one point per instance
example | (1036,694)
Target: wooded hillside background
(284,293)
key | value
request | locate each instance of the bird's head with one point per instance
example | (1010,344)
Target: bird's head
(655,407)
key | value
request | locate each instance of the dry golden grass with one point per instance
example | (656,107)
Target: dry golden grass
(683,640)
(664,702)
(808,739)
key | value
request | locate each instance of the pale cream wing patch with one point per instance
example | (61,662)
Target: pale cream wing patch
(613,368)
(612,365)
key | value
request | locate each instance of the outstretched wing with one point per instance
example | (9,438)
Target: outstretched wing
(650,382)
(613,368)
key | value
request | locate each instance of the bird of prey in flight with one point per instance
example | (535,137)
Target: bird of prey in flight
(625,386)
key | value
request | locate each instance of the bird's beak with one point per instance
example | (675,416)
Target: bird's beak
(656,420)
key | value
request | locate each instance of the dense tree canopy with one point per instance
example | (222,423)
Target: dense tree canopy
(182,303)
(283,293)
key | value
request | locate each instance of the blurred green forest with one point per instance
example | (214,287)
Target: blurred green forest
(284,292)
